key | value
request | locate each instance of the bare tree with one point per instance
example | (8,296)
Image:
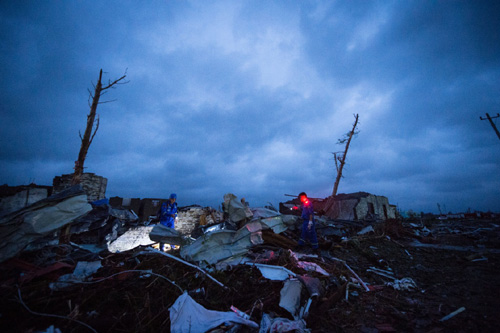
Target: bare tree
(88,136)
(340,158)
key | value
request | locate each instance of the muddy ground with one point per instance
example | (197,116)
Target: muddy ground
(454,264)
(466,276)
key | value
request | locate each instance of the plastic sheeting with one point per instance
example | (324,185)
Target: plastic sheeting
(313,285)
(131,239)
(278,325)
(270,218)
(231,262)
(94,219)
(292,222)
(219,245)
(366,230)
(264,213)
(20,228)
(312,267)
(275,223)
(82,270)
(290,296)
(164,234)
(306,265)
(275,273)
(124,215)
(188,316)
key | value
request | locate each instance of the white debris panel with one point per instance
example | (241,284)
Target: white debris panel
(26,225)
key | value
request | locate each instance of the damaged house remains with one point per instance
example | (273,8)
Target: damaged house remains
(240,270)
(357,206)
(350,207)
(13,198)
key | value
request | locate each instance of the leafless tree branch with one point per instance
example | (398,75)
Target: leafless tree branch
(117,81)
(113,100)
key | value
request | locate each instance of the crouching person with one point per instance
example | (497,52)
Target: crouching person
(168,214)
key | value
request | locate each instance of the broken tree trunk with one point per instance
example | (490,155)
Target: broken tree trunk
(88,137)
(342,159)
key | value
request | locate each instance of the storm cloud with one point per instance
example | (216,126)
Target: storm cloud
(250,97)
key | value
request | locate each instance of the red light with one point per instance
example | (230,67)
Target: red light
(295,208)
(304,200)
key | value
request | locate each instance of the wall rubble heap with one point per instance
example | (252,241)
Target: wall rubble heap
(93,185)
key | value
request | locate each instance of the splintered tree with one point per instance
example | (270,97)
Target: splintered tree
(340,158)
(88,136)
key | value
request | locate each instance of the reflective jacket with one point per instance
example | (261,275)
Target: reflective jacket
(167,209)
(307,210)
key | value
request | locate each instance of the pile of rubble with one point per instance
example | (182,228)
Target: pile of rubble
(240,271)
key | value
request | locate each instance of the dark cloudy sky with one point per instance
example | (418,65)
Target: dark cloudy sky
(250,97)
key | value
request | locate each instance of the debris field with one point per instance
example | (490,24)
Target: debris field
(370,276)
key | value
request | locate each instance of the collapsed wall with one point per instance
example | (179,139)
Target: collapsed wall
(358,206)
(350,207)
(93,185)
(191,217)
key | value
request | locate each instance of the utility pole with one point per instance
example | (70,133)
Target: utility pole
(341,159)
(492,123)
